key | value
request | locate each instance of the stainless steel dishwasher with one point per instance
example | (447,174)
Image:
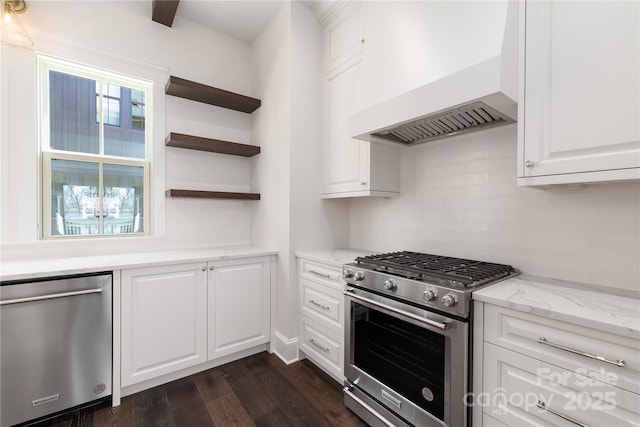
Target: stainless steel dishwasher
(55,345)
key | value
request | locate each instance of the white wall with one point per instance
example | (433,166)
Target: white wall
(121,36)
(315,222)
(270,130)
(459,197)
(290,215)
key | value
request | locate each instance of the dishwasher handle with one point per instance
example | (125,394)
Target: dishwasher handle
(51,296)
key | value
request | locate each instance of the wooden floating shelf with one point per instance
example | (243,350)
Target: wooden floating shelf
(212,145)
(212,194)
(187,89)
(163,11)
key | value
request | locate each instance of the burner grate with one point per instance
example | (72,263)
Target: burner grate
(424,266)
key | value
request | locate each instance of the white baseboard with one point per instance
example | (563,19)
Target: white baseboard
(285,348)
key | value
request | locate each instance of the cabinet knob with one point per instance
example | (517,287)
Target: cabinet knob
(204,268)
(529,163)
(211,268)
(363,182)
(362,40)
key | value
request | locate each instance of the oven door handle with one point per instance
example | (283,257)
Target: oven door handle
(439,325)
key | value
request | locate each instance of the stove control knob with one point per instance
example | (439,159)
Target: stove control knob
(430,295)
(358,275)
(449,300)
(347,273)
(390,284)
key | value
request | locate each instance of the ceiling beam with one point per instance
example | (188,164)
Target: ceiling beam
(163,11)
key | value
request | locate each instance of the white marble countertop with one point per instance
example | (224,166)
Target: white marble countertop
(31,269)
(585,305)
(334,257)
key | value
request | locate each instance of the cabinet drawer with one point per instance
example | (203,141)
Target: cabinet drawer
(322,304)
(523,391)
(322,346)
(488,421)
(321,273)
(523,332)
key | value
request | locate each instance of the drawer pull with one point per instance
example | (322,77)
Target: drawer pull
(542,406)
(324,307)
(325,275)
(619,362)
(315,344)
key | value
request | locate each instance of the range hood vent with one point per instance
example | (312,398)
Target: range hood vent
(447,86)
(455,121)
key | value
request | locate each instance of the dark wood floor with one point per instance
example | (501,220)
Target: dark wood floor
(259,390)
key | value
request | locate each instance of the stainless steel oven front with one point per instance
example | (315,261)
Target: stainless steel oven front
(404,366)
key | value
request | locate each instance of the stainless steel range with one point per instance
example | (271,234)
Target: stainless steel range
(408,336)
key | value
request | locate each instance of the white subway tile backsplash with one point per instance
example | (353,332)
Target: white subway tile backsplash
(440,171)
(460,198)
(501,166)
(530,201)
(465,180)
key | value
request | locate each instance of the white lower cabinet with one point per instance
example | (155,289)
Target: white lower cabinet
(527,392)
(164,320)
(321,316)
(182,315)
(538,371)
(488,421)
(239,305)
(322,345)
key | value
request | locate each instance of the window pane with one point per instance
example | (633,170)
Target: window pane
(111,111)
(110,104)
(128,139)
(137,109)
(137,96)
(72,112)
(111,90)
(123,199)
(75,203)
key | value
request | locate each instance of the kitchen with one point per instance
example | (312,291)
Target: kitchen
(458,196)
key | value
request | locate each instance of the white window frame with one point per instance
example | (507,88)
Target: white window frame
(46,63)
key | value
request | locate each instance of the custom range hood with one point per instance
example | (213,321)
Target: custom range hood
(433,69)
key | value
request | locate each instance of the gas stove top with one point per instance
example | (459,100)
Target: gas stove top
(431,281)
(455,272)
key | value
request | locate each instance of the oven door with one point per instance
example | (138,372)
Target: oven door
(403,363)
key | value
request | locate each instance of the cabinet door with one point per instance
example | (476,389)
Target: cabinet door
(350,167)
(164,319)
(345,159)
(580,103)
(343,36)
(239,305)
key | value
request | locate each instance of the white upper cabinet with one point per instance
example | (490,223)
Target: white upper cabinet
(350,167)
(579,112)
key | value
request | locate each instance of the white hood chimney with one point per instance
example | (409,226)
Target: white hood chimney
(432,69)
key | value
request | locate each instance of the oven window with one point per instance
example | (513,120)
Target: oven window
(405,357)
